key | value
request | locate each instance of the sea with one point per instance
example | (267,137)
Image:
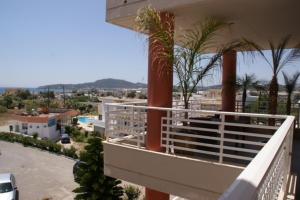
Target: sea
(32,90)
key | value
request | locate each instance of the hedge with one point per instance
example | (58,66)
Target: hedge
(46,145)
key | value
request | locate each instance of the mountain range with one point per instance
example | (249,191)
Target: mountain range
(111,83)
(108,83)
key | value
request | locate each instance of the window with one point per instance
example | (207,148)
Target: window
(37,126)
(5,187)
(45,126)
(24,126)
(30,126)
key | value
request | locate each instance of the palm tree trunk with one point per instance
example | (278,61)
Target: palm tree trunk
(244,97)
(273,99)
(186,106)
(288,104)
(258,102)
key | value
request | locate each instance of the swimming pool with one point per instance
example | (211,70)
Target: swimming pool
(85,120)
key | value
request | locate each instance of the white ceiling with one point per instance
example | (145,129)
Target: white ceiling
(258,20)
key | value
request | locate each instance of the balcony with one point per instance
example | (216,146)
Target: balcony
(206,154)
(253,20)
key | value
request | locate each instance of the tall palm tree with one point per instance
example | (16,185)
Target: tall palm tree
(245,83)
(191,62)
(282,55)
(290,85)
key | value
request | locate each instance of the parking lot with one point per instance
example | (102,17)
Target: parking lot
(40,175)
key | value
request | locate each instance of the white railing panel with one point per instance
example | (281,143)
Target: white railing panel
(224,137)
(267,175)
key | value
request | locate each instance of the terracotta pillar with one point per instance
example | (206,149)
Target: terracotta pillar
(229,81)
(160,87)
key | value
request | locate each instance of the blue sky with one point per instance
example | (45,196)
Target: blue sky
(68,41)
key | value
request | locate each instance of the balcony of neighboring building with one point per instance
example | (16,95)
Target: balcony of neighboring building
(204,152)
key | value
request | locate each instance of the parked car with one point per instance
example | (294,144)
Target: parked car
(65,139)
(8,187)
(76,167)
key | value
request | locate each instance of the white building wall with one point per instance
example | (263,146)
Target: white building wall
(42,129)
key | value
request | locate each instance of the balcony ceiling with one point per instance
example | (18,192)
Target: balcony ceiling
(258,20)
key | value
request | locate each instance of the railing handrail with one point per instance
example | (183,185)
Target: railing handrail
(199,111)
(247,183)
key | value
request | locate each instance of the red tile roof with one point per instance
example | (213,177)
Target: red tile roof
(69,113)
(45,118)
(32,119)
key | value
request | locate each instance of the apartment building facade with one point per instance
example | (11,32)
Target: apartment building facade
(198,154)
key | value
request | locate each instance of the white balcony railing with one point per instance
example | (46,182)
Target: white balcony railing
(220,137)
(266,176)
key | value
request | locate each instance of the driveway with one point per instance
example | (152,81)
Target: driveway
(40,175)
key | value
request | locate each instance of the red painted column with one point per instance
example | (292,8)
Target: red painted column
(229,81)
(160,88)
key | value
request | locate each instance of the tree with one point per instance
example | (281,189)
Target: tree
(191,60)
(31,105)
(23,94)
(8,101)
(49,94)
(75,121)
(245,83)
(290,85)
(131,94)
(94,185)
(282,55)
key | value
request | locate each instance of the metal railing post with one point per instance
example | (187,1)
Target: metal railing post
(221,131)
(106,109)
(132,128)
(167,132)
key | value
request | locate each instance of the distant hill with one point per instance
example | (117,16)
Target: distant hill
(108,83)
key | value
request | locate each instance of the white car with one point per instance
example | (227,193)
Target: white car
(8,187)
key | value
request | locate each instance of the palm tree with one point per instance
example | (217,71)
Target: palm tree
(245,83)
(290,85)
(190,60)
(282,55)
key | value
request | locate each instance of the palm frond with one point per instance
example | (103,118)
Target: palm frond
(292,56)
(246,82)
(290,82)
(160,32)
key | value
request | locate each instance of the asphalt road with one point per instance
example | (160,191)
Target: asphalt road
(40,175)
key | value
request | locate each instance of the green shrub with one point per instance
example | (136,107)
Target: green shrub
(53,147)
(46,145)
(68,129)
(75,121)
(79,138)
(42,144)
(6,137)
(35,135)
(3,109)
(131,192)
(70,152)
(27,141)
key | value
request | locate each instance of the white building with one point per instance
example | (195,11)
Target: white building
(44,125)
